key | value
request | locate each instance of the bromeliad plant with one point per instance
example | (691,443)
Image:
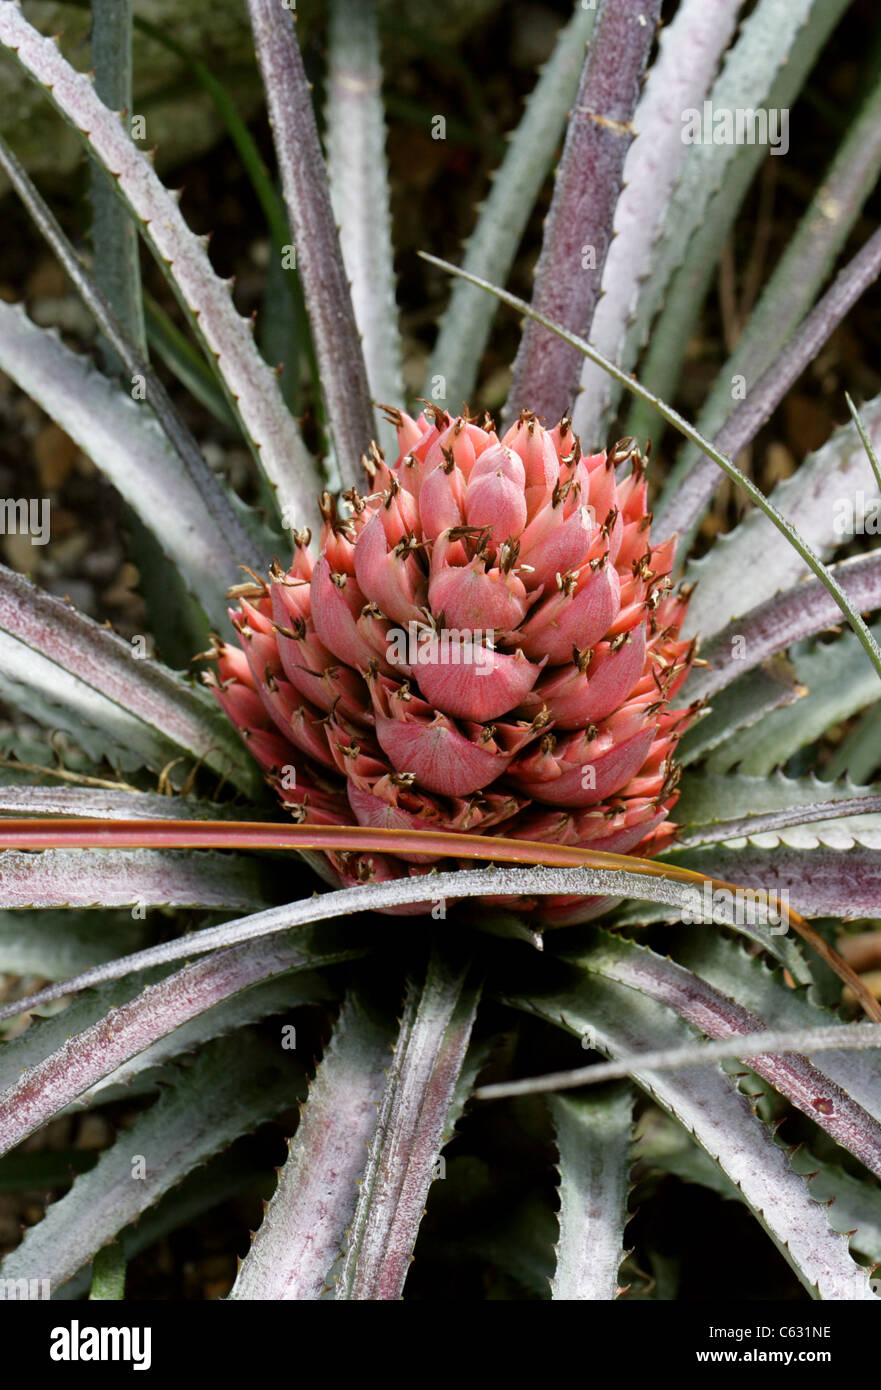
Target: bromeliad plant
(460,702)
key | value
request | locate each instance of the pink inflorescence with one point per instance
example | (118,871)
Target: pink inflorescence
(488,642)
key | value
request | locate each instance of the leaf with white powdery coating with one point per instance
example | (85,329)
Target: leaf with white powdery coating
(409,1132)
(319,258)
(707,798)
(23,798)
(694,492)
(798,275)
(73,661)
(358,176)
(132,451)
(748,565)
(724,964)
(231,1087)
(855,1208)
(52,1082)
(689,51)
(466,322)
(836,682)
(788,617)
(303,1227)
(148,1068)
(717,1015)
(125,878)
(802,812)
(146,1071)
(578,226)
(594,1136)
(766,68)
(462,883)
(820,882)
(250,384)
(706,1102)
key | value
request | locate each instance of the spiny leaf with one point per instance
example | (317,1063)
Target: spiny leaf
(835,824)
(356,168)
(820,882)
(667,884)
(594,1136)
(801,812)
(466,322)
(228,1176)
(689,51)
(837,684)
(778,45)
(146,1069)
(853,1204)
(319,259)
(85,1058)
(788,617)
(45,1035)
(705,1101)
(304,1225)
(114,237)
(251,386)
(707,798)
(797,276)
(429,1054)
(858,755)
(22,796)
(748,565)
(744,423)
(110,683)
(200,529)
(719,1016)
(150,1068)
(125,878)
(579,222)
(232,1086)
(724,964)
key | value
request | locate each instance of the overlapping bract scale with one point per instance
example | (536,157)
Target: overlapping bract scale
(486,642)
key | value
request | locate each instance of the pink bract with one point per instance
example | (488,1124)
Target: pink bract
(487,642)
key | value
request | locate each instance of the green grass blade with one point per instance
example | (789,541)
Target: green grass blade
(108,1274)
